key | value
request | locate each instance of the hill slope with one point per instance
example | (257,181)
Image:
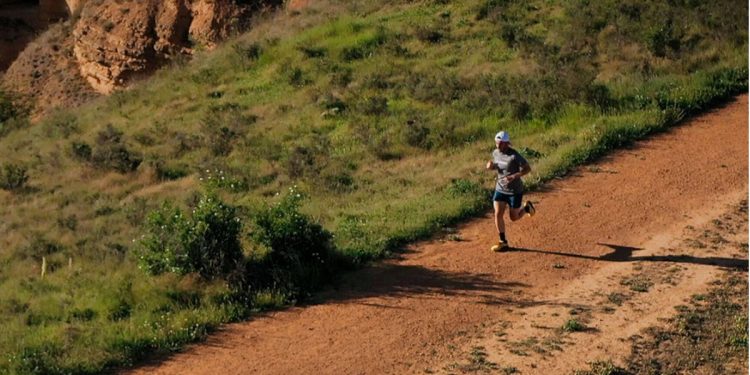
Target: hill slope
(380,115)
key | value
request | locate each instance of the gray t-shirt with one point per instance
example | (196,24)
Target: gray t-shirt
(507,163)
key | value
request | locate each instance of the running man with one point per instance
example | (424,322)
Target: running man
(510,166)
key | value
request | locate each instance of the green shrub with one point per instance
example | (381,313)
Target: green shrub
(247,52)
(40,359)
(297,78)
(662,39)
(111,152)
(81,151)
(13,177)
(298,251)
(205,241)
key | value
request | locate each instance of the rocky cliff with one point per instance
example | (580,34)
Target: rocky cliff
(110,43)
(115,43)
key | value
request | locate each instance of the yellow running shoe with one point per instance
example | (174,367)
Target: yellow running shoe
(529,208)
(501,246)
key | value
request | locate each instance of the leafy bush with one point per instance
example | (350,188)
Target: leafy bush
(206,242)
(81,151)
(297,249)
(13,177)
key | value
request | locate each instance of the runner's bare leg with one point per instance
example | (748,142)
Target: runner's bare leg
(517,213)
(499,212)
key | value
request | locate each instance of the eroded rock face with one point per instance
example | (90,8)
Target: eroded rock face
(118,41)
(108,43)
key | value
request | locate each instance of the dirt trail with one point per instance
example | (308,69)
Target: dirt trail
(423,312)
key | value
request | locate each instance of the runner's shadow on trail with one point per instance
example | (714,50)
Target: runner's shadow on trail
(388,282)
(625,254)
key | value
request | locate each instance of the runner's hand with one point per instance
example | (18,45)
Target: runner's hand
(490,165)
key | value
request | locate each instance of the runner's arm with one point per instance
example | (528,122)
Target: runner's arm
(525,169)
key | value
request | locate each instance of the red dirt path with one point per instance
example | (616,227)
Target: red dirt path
(406,315)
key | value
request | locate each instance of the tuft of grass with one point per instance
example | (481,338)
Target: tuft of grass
(603,368)
(573,325)
(638,283)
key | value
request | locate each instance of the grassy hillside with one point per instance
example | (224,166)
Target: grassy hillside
(374,121)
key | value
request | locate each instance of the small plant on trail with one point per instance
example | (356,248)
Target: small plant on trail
(573,325)
(617,298)
(638,283)
(205,241)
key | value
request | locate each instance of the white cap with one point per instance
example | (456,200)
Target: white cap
(502,137)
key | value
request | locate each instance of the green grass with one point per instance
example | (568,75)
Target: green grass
(383,116)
